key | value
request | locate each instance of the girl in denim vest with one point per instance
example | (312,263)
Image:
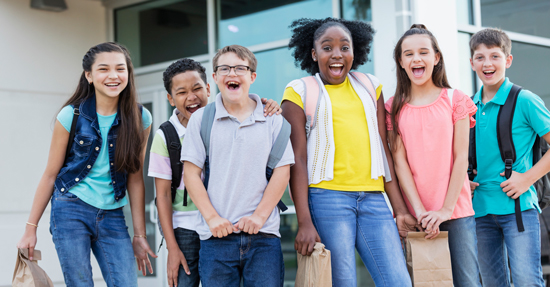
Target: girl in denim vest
(87,178)
(339,175)
(429,125)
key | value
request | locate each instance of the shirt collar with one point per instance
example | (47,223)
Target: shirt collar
(258,114)
(501,95)
(180,129)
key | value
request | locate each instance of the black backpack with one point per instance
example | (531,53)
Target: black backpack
(174,152)
(508,152)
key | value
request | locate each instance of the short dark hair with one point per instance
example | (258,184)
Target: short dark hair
(242,52)
(306,31)
(491,37)
(181,66)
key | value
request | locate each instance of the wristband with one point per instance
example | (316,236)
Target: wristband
(32,224)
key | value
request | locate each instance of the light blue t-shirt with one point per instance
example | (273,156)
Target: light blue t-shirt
(531,118)
(96,189)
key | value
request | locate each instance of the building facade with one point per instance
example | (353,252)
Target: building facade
(41,53)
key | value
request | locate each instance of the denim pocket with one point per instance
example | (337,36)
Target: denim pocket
(66,196)
(83,144)
(316,190)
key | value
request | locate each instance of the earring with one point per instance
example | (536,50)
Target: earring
(315,59)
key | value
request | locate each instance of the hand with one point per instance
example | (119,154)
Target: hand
(220,227)
(432,219)
(473,185)
(175,259)
(28,240)
(406,223)
(305,239)
(271,107)
(250,224)
(141,250)
(516,185)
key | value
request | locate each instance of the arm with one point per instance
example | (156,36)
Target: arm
(519,183)
(272,194)
(44,191)
(404,220)
(136,194)
(307,234)
(432,219)
(220,227)
(164,207)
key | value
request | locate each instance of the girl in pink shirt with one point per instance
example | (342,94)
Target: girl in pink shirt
(429,127)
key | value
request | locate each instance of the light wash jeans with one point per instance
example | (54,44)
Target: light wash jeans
(348,220)
(498,239)
(79,228)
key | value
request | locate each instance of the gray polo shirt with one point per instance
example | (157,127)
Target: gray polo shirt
(238,159)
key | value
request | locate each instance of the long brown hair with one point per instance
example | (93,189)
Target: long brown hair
(403,91)
(130,131)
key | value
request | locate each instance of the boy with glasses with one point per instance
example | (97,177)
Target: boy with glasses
(239,230)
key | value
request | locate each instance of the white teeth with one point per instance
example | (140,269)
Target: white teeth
(418,67)
(488,72)
(112,85)
(336,65)
(192,106)
(232,83)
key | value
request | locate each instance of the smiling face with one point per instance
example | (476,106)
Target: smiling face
(490,65)
(233,87)
(109,74)
(418,58)
(333,51)
(189,93)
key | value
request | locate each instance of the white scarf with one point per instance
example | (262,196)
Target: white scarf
(320,143)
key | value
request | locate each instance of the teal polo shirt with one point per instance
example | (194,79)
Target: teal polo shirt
(531,118)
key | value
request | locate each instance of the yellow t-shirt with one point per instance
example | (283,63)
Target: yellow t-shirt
(352,160)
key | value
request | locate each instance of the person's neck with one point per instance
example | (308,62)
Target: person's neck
(425,91)
(241,109)
(489,92)
(183,120)
(106,106)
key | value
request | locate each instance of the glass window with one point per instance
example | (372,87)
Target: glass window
(525,16)
(530,60)
(248,22)
(464,12)
(467,76)
(165,30)
(357,10)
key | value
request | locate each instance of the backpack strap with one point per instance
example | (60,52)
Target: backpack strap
(472,160)
(206,130)
(276,154)
(76,113)
(174,151)
(505,142)
(311,103)
(366,82)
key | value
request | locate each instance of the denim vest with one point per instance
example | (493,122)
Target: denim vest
(85,150)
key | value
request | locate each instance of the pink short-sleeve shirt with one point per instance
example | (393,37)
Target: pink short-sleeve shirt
(427,134)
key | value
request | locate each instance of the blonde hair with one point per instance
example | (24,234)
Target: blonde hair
(242,52)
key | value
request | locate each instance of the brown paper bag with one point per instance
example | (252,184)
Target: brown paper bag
(314,270)
(27,273)
(429,260)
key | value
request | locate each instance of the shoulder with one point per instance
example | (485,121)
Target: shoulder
(388,104)
(295,92)
(196,118)
(297,86)
(146,117)
(375,81)
(65,117)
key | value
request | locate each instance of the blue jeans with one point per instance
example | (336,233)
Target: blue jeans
(189,243)
(463,248)
(77,228)
(348,220)
(498,239)
(257,259)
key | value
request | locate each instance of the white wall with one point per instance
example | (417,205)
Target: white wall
(40,56)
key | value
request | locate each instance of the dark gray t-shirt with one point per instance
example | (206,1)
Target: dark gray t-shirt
(238,159)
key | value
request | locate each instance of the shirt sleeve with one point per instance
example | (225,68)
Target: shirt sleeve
(376,84)
(387,105)
(536,112)
(159,159)
(65,117)
(292,96)
(288,155)
(463,107)
(193,149)
(146,118)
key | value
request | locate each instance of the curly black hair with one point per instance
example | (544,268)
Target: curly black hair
(181,66)
(306,31)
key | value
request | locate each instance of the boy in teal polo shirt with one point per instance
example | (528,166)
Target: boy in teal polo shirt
(493,201)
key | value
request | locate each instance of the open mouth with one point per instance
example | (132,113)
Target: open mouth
(488,73)
(418,71)
(336,69)
(233,86)
(192,108)
(112,85)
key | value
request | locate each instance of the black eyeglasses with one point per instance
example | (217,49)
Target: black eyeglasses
(225,69)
